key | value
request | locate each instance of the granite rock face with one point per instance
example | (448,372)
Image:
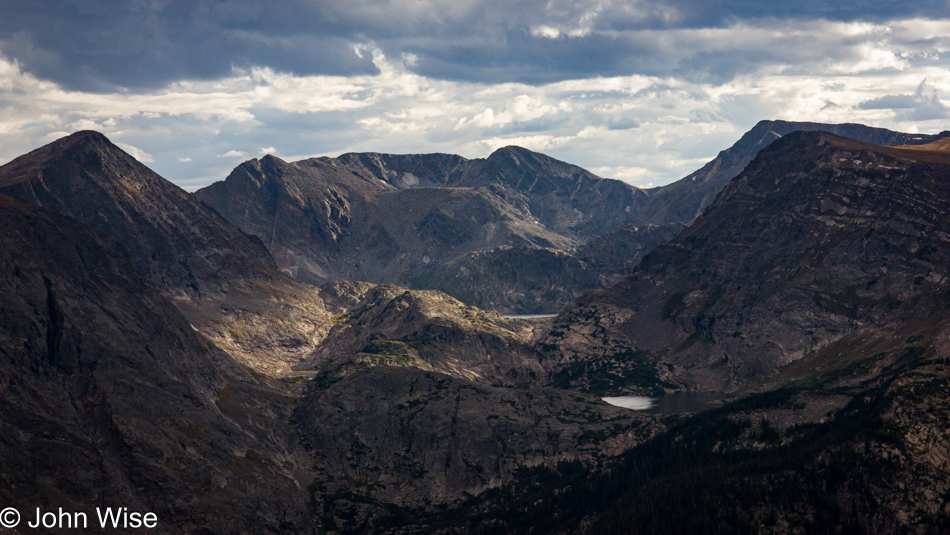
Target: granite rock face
(393,219)
(110,398)
(398,439)
(819,238)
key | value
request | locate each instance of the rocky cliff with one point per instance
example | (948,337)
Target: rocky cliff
(324,220)
(533,280)
(819,238)
(855,443)
(99,365)
(388,441)
(110,398)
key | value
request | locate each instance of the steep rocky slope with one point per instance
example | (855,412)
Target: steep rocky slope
(564,198)
(269,326)
(514,280)
(478,229)
(390,218)
(176,242)
(324,221)
(684,200)
(614,255)
(387,441)
(533,280)
(819,238)
(429,330)
(110,398)
(223,280)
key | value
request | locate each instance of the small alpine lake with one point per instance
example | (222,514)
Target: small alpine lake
(677,402)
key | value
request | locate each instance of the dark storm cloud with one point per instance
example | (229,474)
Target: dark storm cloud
(92,45)
(716,13)
(98,45)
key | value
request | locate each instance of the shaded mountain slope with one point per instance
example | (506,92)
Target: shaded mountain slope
(176,242)
(859,448)
(225,282)
(392,218)
(324,221)
(514,280)
(683,200)
(533,280)
(614,255)
(819,238)
(110,398)
(387,441)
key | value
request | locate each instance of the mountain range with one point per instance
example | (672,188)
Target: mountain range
(509,232)
(316,346)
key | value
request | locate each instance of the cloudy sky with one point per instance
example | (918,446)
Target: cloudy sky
(645,91)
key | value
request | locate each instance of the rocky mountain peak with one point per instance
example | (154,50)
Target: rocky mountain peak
(516,154)
(821,237)
(683,200)
(403,171)
(269,160)
(512,163)
(84,149)
(177,242)
(83,140)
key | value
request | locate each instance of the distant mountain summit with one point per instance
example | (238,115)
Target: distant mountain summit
(391,218)
(821,238)
(178,243)
(684,200)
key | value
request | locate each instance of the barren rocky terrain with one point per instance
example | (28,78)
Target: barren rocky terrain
(212,363)
(819,238)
